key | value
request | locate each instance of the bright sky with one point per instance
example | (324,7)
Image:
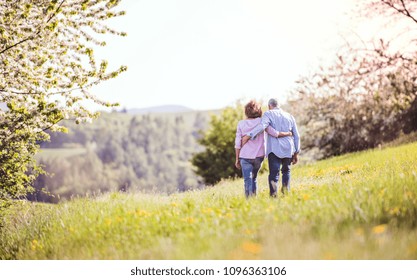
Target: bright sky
(206,54)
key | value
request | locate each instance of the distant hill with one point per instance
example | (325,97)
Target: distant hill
(160,109)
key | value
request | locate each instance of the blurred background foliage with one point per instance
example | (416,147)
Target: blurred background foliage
(121,152)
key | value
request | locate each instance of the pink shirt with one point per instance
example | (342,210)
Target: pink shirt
(256,147)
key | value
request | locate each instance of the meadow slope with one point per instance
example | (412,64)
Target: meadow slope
(356,206)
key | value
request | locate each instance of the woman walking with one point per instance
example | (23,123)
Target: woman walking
(250,156)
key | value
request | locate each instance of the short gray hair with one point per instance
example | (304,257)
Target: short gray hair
(273,102)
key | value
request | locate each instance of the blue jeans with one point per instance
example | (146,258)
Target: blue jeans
(275,163)
(250,169)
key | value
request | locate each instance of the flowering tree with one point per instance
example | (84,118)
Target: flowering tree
(368,96)
(47,67)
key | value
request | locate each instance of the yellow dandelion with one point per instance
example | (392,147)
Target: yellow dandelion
(108,222)
(306,197)
(379,229)
(142,213)
(34,244)
(173,204)
(251,247)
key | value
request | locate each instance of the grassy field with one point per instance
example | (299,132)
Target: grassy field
(357,206)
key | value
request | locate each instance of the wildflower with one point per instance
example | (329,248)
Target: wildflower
(251,247)
(142,213)
(379,229)
(34,244)
(306,197)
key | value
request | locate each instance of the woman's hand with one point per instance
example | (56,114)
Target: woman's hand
(237,164)
(245,140)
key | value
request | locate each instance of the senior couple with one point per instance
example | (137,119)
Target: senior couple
(282,146)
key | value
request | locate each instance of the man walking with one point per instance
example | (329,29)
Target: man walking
(281,151)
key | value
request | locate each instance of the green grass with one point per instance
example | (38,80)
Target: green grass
(357,206)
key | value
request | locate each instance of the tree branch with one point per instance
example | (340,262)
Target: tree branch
(403,11)
(18,43)
(407,12)
(56,11)
(54,123)
(54,93)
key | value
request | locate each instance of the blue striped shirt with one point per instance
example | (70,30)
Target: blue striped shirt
(283,147)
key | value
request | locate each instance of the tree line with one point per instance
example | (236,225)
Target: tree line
(148,153)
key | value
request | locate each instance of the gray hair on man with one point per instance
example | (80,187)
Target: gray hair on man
(273,103)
